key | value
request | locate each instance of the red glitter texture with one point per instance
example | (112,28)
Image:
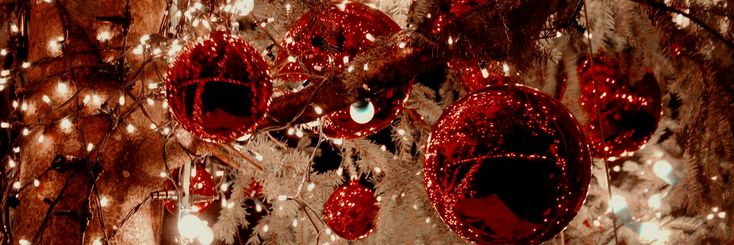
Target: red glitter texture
(351,211)
(628,113)
(507,164)
(202,186)
(325,42)
(219,88)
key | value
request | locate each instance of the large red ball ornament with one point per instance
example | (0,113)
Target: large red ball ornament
(620,115)
(507,165)
(351,211)
(219,88)
(324,42)
(202,190)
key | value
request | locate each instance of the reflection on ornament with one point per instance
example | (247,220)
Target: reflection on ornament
(351,211)
(202,191)
(507,165)
(219,89)
(621,116)
(325,42)
(362,111)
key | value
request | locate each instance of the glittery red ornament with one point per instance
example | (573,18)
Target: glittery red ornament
(627,112)
(324,42)
(476,75)
(201,188)
(507,165)
(351,211)
(219,88)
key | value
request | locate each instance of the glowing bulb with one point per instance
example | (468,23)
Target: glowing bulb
(318,110)
(362,111)
(4,125)
(11,163)
(144,39)
(618,203)
(97,242)
(189,226)
(310,186)
(41,138)
(651,231)
(62,88)
(16,185)
(266,228)
(485,72)
(24,242)
(103,36)
(90,147)
(207,235)
(654,201)
(130,128)
(104,202)
(663,170)
(65,123)
(244,7)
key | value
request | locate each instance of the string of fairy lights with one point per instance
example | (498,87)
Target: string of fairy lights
(122,103)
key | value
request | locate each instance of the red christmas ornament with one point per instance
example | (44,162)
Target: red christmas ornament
(351,211)
(627,112)
(320,43)
(201,190)
(476,75)
(219,88)
(507,165)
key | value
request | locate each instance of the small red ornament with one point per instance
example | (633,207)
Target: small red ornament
(201,188)
(351,211)
(507,165)
(219,88)
(324,42)
(628,112)
(476,75)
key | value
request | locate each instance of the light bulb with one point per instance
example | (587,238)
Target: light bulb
(663,170)
(618,203)
(362,111)
(207,235)
(652,232)
(189,226)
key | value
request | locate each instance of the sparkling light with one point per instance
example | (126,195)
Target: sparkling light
(617,203)
(651,232)
(104,202)
(654,201)
(104,36)
(62,88)
(663,170)
(207,235)
(189,226)
(130,128)
(65,123)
